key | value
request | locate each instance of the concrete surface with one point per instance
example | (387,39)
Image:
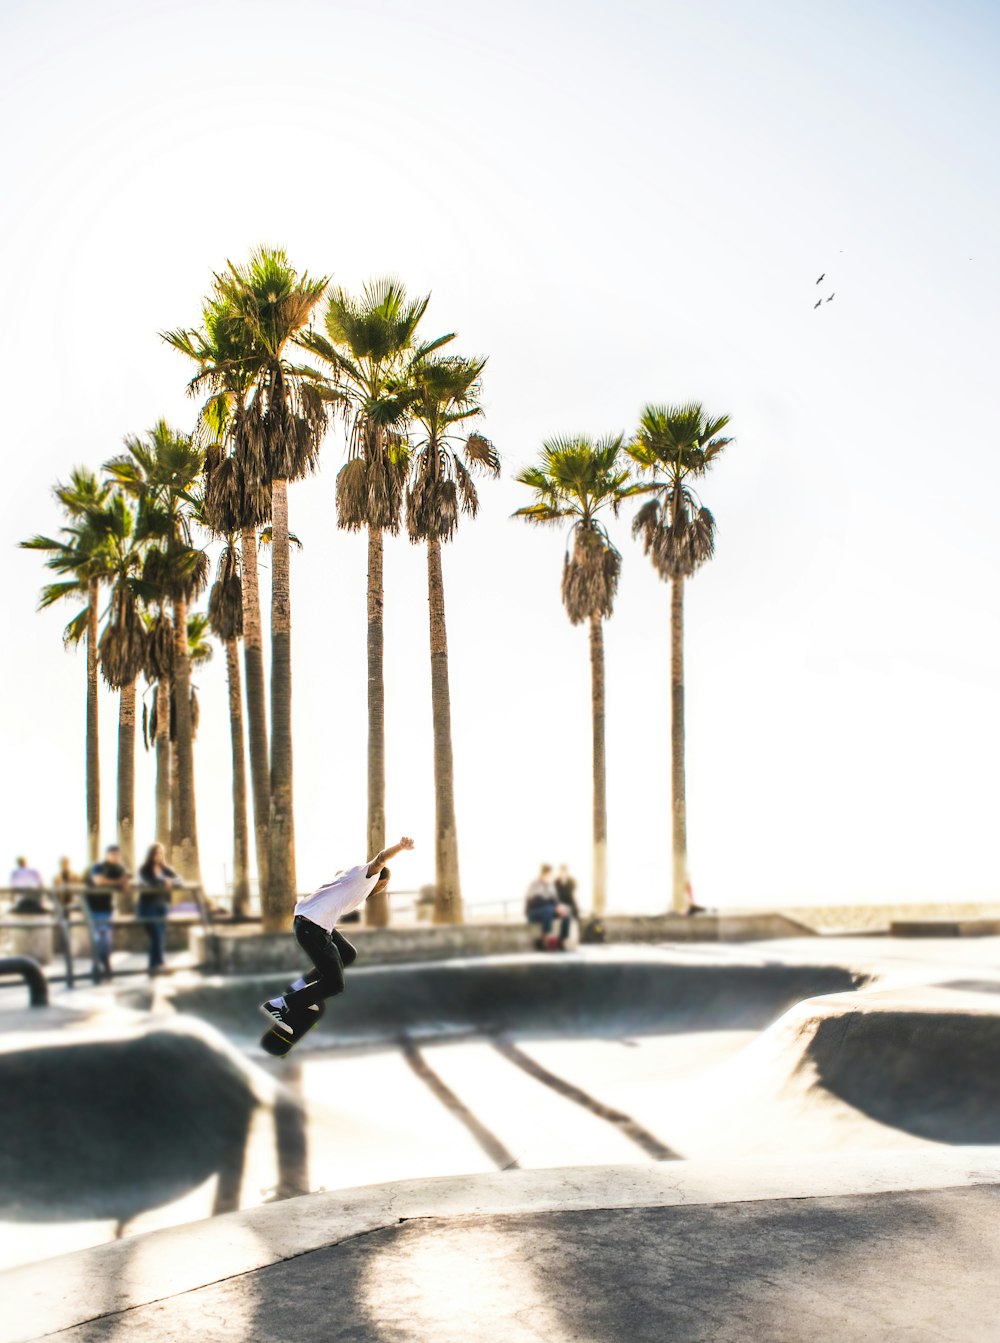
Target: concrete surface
(871,917)
(700,1062)
(945,927)
(596,990)
(885,1247)
(155,1120)
(247,950)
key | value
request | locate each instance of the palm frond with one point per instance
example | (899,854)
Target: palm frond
(159,647)
(225,600)
(123,646)
(590,576)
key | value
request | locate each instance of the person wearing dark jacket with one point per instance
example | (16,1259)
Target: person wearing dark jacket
(566,891)
(157,880)
(103,880)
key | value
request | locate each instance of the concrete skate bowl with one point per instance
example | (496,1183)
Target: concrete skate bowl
(109,1128)
(929,1073)
(853,1072)
(530,996)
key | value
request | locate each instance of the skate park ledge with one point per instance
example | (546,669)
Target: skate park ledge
(247,950)
(89,1292)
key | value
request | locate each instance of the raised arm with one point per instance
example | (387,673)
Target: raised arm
(380,859)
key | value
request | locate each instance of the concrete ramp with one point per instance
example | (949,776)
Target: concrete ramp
(637,993)
(927,1067)
(889,1248)
(110,1123)
(868,1070)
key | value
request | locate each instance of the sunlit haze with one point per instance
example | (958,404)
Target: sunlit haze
(617,204)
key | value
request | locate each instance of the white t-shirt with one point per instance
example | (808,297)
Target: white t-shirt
(331,902)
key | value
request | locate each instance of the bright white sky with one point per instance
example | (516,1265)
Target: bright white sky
(618,204)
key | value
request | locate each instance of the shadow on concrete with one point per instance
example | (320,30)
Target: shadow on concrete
(932,1074)
(110,1128)
(843,1269)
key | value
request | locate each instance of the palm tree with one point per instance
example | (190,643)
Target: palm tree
(199,651)
(367,345)
(161,471)
(573,482)
(277,437)
(80,553)
(675,445)
(235,502)
(442,395)
(225,613)
(156,726)
(123,654)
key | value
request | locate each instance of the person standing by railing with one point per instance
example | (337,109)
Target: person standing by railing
(158,879)
(104,879)
(66,883)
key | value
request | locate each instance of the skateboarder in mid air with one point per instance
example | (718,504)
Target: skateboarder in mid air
(300,1006)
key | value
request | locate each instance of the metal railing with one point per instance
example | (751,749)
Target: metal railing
(68,907)
(56,916)
(31,972)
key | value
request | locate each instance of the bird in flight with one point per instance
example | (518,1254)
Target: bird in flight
(822,277)
(817,304)
(830,299)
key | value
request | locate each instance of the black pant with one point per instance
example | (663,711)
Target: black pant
(154,915)
(330,954)
(546,916)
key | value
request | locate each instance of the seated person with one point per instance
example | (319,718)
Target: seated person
(566,891)
(541,906)
(28,881)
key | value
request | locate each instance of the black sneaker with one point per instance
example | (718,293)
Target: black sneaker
(277,1016)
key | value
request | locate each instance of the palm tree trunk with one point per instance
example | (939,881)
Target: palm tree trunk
(448,889)
(93,758)
(253,656)
(241,838)
(175,794)
(377,907)
(126,775)
(186,854)
(677,787)
(600,773)
(279,896)
(162,833)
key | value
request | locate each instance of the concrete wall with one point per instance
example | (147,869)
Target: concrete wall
(878,918)
(247,950)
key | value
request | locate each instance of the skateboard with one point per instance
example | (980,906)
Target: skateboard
(277,1043)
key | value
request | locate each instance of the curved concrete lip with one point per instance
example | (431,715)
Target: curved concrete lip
(72,1289)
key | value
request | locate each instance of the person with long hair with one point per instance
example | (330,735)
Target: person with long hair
(156,880)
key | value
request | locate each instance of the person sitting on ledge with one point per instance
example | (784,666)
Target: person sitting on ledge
(541,906)
(29,880)
(692,906)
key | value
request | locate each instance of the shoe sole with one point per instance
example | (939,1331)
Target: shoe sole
(275,1022)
